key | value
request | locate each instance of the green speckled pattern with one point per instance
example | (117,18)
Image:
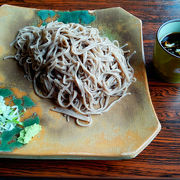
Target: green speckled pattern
(83,17)
(28,103)
(18,102)
(44,14)
(5,92)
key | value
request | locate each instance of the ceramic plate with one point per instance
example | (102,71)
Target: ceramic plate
(121,133)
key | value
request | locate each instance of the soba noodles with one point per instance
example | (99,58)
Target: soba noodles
(86,73)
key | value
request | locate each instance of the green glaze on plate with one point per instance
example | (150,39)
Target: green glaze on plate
(28,103)
(31,121)
(18,102)
(44,14)
(9,140)
(83,17)
(5,92)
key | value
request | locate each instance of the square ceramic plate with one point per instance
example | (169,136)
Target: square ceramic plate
(121,133)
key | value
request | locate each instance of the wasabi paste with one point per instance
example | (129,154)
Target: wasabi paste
(28,133)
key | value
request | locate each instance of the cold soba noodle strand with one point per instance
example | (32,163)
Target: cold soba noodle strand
(71,63)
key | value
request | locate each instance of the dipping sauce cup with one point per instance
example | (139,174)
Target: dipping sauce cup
(167,63)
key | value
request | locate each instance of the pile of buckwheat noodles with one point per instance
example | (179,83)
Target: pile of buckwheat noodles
(84,72)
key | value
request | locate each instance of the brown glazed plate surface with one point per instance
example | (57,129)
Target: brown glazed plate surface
(121,133)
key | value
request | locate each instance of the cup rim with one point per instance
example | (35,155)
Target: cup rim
(167,22)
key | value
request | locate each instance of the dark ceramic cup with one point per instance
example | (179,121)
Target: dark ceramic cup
(166,63)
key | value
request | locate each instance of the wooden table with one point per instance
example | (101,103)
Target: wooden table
(162,157)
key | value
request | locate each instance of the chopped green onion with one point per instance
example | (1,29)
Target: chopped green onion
(168,45)
(9,116)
